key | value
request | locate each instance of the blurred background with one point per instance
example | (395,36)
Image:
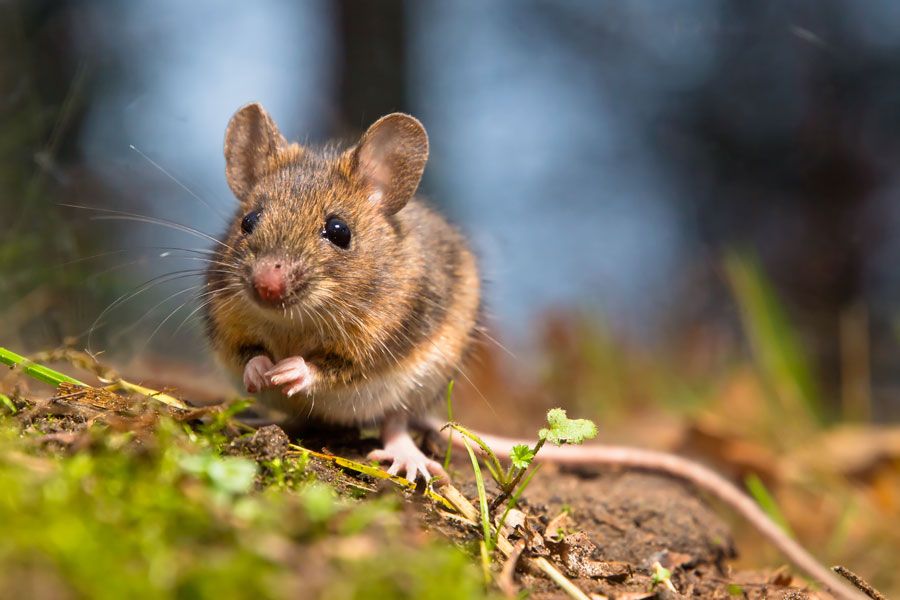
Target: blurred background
(620,161)
(687,212)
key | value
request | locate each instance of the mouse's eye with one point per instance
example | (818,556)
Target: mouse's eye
(248,223)
(336,232)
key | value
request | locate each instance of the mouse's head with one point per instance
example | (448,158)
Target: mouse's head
(317,227)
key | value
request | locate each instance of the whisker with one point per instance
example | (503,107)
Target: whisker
(149,312)
(211,296)
(125,250)
(158,280)
(179,183)
(161,323)
(118,215)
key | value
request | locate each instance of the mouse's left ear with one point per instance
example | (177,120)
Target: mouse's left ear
(390,159)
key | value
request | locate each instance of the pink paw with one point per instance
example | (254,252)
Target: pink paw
(293,374)
(405,457)
(255,373)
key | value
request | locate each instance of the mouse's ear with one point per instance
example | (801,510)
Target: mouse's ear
(390,159)
(251,140)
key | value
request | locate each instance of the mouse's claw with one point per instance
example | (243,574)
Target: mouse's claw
(405,457)
(255,373)
(293,374)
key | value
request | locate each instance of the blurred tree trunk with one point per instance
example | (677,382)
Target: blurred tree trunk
(373,61)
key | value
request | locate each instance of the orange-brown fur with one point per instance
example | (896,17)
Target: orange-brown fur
(385,322)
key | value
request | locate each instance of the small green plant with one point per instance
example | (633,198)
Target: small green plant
(561,430)
(513,479)
(662,576)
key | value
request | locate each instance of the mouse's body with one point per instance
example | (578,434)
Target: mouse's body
(336,293)
(339,296)
(395,350)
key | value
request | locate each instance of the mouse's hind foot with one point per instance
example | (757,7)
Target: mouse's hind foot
(402,452)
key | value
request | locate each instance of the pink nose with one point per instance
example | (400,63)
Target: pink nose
(270,282)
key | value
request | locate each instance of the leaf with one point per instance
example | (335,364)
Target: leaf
(7,402)
(660,574)
(564,430)
(233,475)
(320,502)
(521,456)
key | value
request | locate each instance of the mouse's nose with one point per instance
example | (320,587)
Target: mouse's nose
(270,281)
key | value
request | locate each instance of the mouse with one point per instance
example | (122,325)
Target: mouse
(337,295)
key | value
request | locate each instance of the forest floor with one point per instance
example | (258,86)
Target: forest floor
(118,495)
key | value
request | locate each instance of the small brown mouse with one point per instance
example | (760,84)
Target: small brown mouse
(338,295)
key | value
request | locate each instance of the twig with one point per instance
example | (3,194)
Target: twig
(861,584)
(505,581)
(374,472)
(127,386)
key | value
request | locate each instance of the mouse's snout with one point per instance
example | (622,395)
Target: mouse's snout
(271,279)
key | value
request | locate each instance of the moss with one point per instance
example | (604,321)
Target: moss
(164,514)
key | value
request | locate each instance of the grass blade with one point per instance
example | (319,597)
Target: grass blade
(776,348)
(39,372)
(491,460)
(449,453)
(767,502)
(482,498)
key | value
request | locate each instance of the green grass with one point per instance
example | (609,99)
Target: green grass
(163,514)
(39,372)
(777,351)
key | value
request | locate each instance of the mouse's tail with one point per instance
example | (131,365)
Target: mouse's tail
(695,473)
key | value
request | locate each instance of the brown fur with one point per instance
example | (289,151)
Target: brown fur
(387,321)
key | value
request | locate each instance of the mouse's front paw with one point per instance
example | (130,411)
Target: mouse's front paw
(293,374)
(255,373)
(405,457)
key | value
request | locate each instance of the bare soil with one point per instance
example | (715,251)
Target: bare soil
(605,530)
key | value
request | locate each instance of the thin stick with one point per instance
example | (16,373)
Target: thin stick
(861,584)
(373,472)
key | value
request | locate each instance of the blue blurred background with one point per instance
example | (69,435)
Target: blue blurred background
(604,157)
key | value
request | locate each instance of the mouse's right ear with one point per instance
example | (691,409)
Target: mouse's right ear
(252,140)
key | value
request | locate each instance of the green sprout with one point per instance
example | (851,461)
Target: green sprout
(662,576)
(521,456)
(513,479)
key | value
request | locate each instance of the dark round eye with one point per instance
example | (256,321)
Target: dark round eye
(336,232)
(248,223)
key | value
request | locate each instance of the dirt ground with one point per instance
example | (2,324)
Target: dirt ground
(609,531)
(605,530)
